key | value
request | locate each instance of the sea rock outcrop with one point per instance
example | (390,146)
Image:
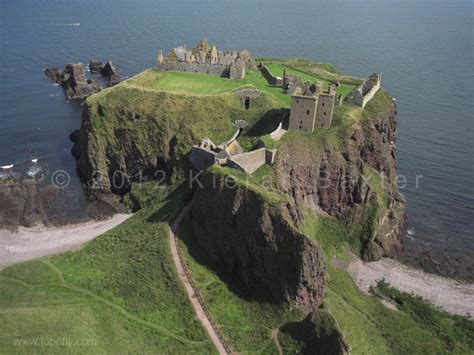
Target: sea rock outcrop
(107,70)
(110,73)
(74,82)
(257,243)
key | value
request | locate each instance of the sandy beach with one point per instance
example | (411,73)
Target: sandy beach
(31,243)
(453,296)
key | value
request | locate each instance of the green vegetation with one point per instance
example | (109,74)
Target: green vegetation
(246,323)
(277,69)
(204,84)
(266,194)
(457,332)
(322,71)
(120,294)
(370,327)
(136,120)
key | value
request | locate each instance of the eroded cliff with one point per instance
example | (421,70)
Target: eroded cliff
(349,173)
(133,132)
(249,233)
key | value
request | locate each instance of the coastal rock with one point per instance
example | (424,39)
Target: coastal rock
(95,67)
(256,243)
(55,74)
(74,82)
(110,73)
(31,202)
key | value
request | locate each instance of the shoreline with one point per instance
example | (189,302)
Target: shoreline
(26,244)
(449,294)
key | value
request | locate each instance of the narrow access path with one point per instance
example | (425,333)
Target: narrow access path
(453,296)
(276,341)
(32,243)
(192,292)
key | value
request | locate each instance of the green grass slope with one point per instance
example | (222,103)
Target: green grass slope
(119,294)
(370,327)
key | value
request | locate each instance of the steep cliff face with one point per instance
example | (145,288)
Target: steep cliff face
(349,173)
(133,131)
(319,333)
(251,237)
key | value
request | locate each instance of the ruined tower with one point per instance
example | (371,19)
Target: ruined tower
(160,58)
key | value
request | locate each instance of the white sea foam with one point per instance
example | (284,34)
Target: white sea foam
(8,166)
(33,171)
(34,160)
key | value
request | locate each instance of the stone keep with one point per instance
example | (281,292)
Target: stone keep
(303,113)
(309,111)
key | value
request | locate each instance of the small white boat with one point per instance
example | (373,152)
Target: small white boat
(8,166)
(34,160)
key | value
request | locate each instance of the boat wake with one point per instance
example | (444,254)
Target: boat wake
(66,24)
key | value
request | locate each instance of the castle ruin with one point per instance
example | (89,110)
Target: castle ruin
(312,108)
(207,59)
(366,90)
(230,153)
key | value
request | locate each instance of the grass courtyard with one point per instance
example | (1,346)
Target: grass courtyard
(203,84)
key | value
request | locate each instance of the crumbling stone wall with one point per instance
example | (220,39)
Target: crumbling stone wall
(251,161)
(237,70)
(363,93)
(215,69)
(272,79)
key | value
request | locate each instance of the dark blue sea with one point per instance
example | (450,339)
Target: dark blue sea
(424,49)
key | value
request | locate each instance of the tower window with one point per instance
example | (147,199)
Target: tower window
(322,104)
(307,112)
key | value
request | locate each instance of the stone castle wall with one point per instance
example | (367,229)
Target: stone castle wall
(251,161)
(272,79)
(214,69)
(237,70)
(366,91)
(303,113)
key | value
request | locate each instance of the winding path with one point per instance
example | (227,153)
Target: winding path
(191,290)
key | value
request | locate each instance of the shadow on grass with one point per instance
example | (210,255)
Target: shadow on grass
(176,200)
(267,124)
(246,293)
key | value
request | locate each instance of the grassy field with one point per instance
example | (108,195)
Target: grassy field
(120,294)
(203,84)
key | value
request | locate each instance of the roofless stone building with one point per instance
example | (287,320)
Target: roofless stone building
(207,59)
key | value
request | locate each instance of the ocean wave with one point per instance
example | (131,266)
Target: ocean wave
(6,167)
